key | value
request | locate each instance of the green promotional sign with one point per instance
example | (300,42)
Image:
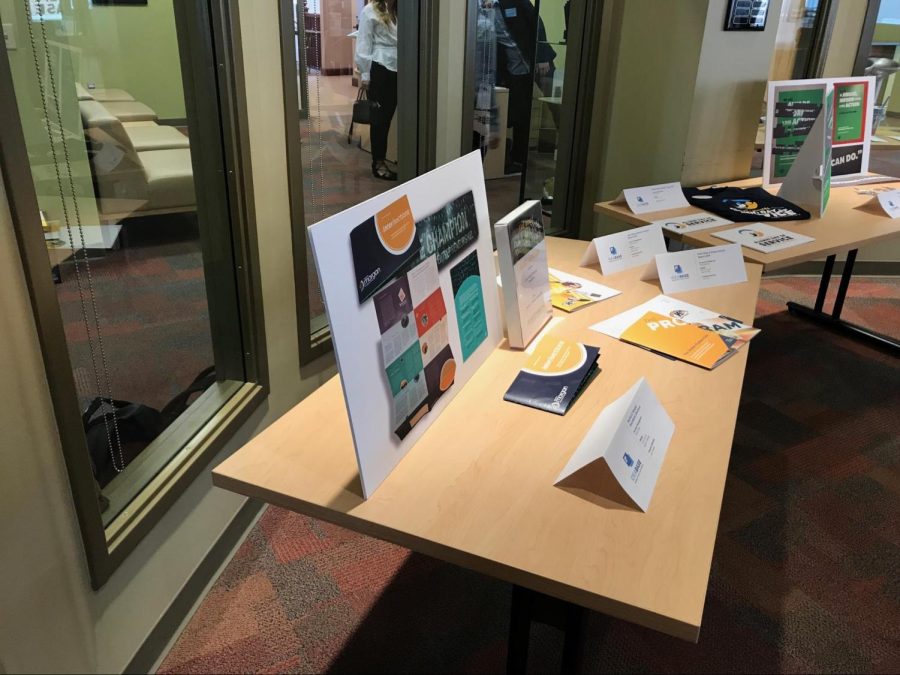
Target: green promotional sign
(826,155)
(851,112)
(795,112)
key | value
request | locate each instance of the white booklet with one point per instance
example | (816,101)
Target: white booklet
(522,254)
(693,222)
(628,442)
(761,237)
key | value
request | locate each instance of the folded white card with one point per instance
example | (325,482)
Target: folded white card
(762,237)
(653,198)
(697,268)
(621,250)
(629,440)
(890,202)
(693,222)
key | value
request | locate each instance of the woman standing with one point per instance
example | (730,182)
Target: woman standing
(376,58)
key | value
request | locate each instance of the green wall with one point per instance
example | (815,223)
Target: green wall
(132,48)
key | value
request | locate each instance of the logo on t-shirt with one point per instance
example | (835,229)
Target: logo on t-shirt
(753,208)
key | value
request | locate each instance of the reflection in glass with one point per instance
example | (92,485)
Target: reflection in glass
(883,63)
(106,133)
(340,45)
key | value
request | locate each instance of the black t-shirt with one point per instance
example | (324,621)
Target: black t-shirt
(748,205)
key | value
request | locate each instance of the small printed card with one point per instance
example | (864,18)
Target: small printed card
(568,292)
(693,222)
(621,250)
(554,375)
(653,198)
(697,268)
(890,202)
(628,441)
(761,237)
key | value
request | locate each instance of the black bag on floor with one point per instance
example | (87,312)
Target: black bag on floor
(109,422)
(180,403)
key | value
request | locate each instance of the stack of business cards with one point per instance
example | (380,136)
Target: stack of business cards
(554,375)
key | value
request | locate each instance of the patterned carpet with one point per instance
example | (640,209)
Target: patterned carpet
(805,575)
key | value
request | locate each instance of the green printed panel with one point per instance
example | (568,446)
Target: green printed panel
(469,302)
(851,111)
(796,127)
(404,368)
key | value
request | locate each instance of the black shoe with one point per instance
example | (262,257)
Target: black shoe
(381,172)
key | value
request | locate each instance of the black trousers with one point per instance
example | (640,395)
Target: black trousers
(519,115)
(383,94)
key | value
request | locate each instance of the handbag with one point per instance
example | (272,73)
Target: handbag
(136,426)
(362,113)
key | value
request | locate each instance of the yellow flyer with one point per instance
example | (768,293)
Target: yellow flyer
(568,292)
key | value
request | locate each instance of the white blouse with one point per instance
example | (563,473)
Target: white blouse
(376,41)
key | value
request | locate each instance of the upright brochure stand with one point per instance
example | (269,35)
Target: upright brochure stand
(522,253)
(798,151)
(791,111)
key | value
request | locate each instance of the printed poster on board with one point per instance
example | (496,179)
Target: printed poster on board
(411,311)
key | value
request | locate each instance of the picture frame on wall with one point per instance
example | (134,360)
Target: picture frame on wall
(117,3)
(746,14)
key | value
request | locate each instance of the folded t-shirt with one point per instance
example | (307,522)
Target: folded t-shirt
(750,205)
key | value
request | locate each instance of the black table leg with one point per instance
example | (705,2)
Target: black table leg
(519,630)
(528,606)
(833,320)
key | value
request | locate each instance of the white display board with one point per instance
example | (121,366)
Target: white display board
(408,283)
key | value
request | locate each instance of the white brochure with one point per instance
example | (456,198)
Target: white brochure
(621,250)
(628,440)
(697,268)
(653,198)
(765,238)
(890,202)
(693,222)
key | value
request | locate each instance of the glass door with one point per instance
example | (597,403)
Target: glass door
(354,65)
(530,76)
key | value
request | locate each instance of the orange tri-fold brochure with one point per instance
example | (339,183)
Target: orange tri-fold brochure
(680,330)
(683,341)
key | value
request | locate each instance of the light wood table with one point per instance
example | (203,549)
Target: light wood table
(477,489)
(848,223)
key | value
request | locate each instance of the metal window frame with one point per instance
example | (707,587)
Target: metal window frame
(866,37)
(820,39)
(417,41)
(576,119)
(214,49)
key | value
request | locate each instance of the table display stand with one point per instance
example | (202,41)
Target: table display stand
(530,606)
(833,320)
